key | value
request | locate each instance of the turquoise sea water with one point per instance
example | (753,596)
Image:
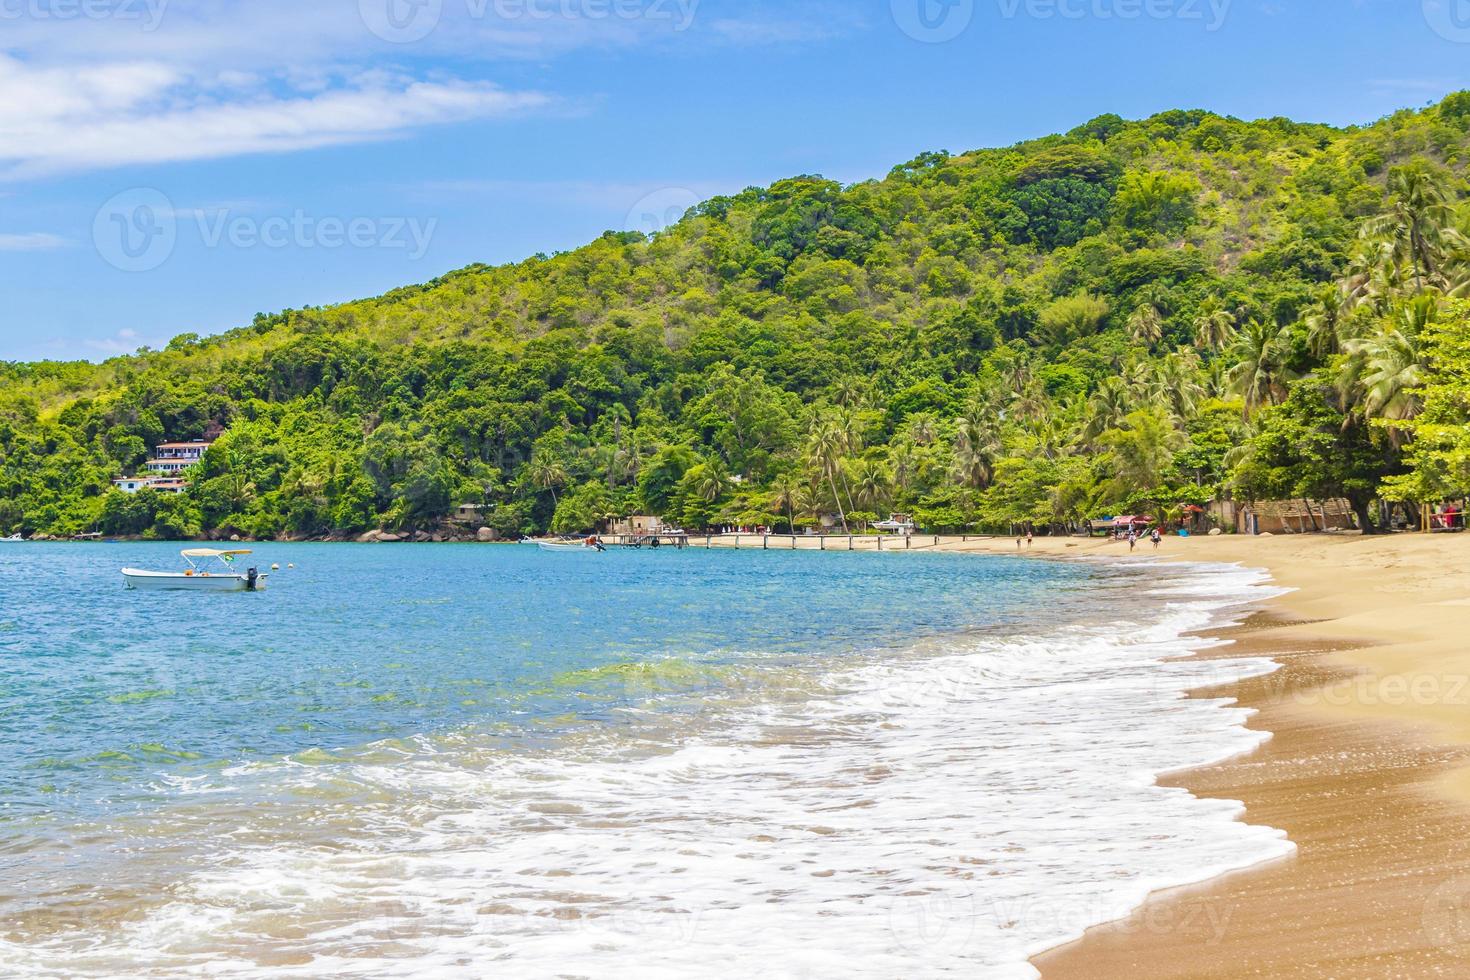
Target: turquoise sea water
(102,689)
(471,761)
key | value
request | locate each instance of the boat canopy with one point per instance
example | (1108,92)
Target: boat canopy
(211,553)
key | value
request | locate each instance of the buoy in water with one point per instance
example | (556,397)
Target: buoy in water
(290,565)
(275,568)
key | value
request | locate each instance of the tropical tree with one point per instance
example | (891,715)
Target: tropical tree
(1379,375)
(1214,328)
(786,495)
(546,473)
(1419,224)
(872,484)
(1146,325)
(712,479)
(1260,372)
(826,450)
(1324,321)
(975,446)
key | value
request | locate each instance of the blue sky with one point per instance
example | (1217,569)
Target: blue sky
(171,166)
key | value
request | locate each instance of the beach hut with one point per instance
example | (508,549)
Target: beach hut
(1295,516)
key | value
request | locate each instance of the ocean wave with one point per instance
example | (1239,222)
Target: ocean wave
(949,808)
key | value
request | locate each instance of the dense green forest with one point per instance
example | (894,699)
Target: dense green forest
(1131,316)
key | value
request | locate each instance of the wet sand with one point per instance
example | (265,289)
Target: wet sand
(1368,772)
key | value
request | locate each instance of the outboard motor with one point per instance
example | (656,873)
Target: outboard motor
(252,577)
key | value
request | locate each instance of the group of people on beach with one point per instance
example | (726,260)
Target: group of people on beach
(1155,536)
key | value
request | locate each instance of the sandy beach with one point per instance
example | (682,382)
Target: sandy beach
(1368,772)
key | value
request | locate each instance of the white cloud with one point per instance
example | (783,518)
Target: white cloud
(58,120)
(36,241)
(155,81)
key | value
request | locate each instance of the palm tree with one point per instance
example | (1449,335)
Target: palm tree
(1380,373)
(1146,325)
(976,443)
(1142,380)
(1031,404)
(1324,321)
(923,428)
(786,494)
(850,393)
(1052,434)
(1178,383)
(546,472)
(1107,407)
(1214,328)
(826,446)
(872,483)
(1260,374)
(903,463)
(713,480)
(1018,372)
(1418,224)
(1374,276)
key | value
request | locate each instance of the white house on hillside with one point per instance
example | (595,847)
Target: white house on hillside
(165,469)
(172,458)
(132,484)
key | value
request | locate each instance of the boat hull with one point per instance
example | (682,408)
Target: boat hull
(548,546)
(178,582)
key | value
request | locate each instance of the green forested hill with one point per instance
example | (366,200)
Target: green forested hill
(1131,315)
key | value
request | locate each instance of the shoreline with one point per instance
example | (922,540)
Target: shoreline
(1367,771)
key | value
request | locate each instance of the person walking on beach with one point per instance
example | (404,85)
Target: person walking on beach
(1132,540)
(1156,538)
(1030,538)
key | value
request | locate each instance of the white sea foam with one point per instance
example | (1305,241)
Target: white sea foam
(946,810)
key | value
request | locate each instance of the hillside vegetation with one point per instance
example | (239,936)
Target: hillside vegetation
(1132,316)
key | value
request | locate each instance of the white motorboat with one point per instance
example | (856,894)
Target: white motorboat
(591,544)
(13,539)
(897,524)
(208,578)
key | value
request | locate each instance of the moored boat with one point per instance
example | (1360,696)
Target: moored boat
(13,539)
(590,544)
(200,579)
